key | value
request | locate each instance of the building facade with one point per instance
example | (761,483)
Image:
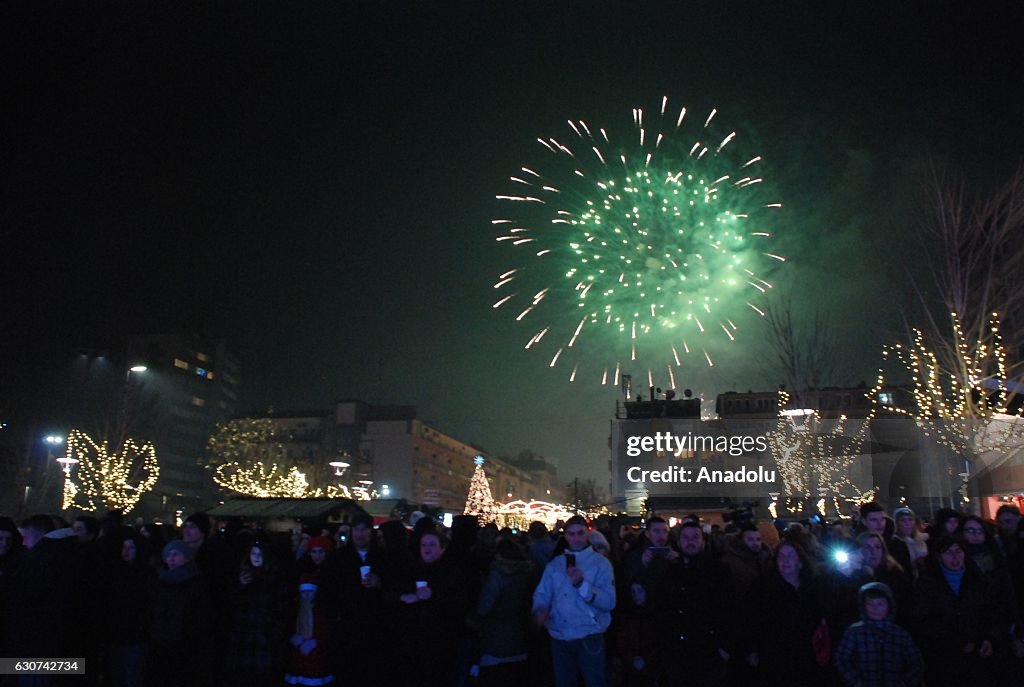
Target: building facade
(842,440)
(190,384)
(389,449)
(391,446)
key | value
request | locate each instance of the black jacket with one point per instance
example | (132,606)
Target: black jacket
(692,606)
(944,622)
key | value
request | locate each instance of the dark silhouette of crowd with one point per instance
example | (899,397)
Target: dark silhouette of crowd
(881,599)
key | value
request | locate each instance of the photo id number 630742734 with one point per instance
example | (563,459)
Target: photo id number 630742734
(42,666)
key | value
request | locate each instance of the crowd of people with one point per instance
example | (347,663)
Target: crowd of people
(883,599)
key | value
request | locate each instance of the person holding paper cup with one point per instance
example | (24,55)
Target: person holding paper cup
(432,606)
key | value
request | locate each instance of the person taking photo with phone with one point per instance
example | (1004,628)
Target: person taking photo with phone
(574,601)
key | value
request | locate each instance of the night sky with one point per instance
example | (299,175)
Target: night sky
(315,181)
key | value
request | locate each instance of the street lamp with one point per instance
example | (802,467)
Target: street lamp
(339,467)
(67,462)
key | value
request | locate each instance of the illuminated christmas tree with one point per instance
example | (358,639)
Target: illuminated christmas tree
(480,502)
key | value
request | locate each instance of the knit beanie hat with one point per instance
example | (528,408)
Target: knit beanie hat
(902,512)
(200,520)
(176,545)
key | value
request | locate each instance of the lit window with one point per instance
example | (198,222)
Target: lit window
(885,398)
(202,357)
(180,364)
(209,375)
(196,401)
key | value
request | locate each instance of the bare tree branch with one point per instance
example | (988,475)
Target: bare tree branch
(805,356)
(977,255)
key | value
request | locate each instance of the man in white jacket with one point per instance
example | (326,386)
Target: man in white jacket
(574,600)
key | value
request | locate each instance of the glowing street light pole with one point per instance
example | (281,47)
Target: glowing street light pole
(339,467)
(66,462)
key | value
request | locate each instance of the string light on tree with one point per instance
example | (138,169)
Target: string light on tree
(262,481)
(107,481)
(812,452)
(250,460)
(970,408)
(252,465)
(479,502)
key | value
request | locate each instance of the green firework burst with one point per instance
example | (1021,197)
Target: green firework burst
(640,251)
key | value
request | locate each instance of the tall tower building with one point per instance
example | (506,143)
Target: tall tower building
(191,383)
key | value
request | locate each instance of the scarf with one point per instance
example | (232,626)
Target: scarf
(180,574)
(918,547)
(954,578)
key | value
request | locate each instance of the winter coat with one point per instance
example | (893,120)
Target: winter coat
(257,636)
(130,603)
(900,583)
(944,623)
(504,608)
(180,630)
(427,629)
(783,620)
(577,612)
(541,551)
(313,668)
(40,593)
(992,564)
(878,652)
(744,565)
(840,593)
(355,609)
(693,606)
(9,563)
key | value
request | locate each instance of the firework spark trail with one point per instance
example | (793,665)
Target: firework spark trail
(640,254)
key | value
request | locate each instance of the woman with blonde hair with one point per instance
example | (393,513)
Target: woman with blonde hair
(909,545)
(887,570)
